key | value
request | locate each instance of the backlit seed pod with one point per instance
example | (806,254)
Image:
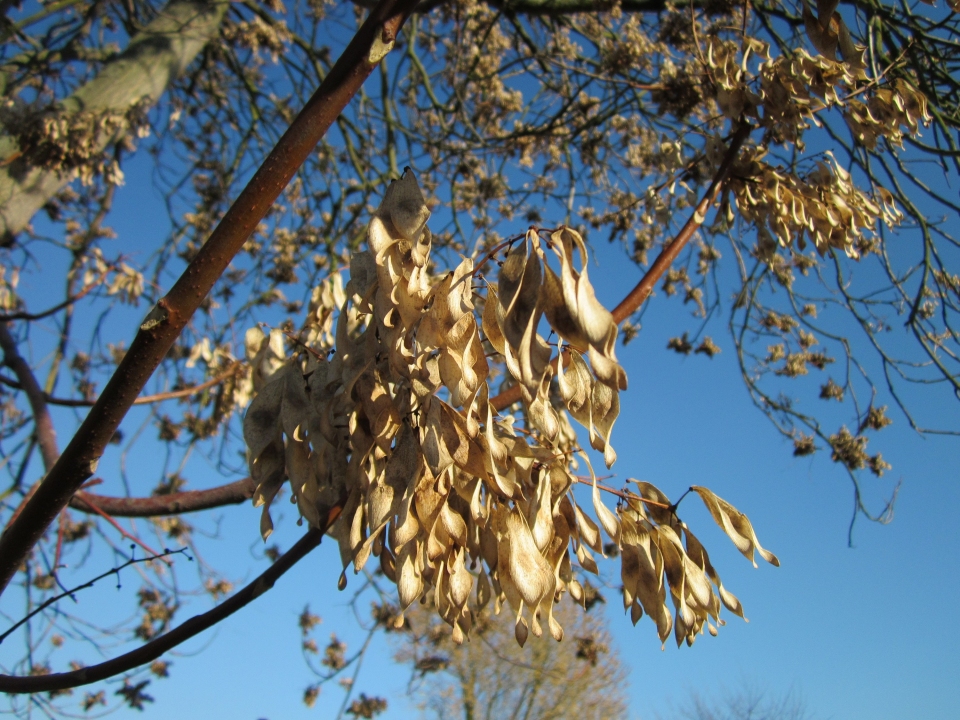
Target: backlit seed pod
(398,430)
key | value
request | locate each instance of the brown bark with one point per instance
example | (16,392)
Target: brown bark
(172,504)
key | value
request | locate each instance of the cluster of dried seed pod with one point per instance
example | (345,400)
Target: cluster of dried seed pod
(399,430)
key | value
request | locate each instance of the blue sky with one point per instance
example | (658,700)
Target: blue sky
(859,632)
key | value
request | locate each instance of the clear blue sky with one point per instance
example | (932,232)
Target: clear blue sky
(859,633)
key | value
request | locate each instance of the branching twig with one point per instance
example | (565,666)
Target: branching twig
(90,583)
(158,646)
(143,399)
(119,528)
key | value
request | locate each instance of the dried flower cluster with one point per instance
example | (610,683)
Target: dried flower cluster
(68,142)
(399,429)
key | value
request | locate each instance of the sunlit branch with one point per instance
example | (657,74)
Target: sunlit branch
(172,504)
(171,314)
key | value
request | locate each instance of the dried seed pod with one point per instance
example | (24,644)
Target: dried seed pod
(398,427)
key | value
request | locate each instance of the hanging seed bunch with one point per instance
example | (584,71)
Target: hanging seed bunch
(399,429)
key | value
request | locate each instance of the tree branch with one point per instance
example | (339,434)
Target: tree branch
(46,434)
(144,399)
(89,584)
(194,626)
(168,318)
(635,298)
(172,504)
(24,315)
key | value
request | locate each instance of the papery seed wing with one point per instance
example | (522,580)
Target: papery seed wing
(465,451)
(461,581)
(587,529)
(556,311)
(404,205)
(736,525)
(528,569)
(660,507)
(586,559)
(490,323)
(267,471)
(606,517)
(262,421)
(409,581)
(698,554)
(605,407)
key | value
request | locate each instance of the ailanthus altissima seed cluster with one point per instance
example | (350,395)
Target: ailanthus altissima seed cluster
(400,429)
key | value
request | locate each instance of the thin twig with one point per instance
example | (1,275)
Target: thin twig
(119,528)
(90,583)
(143,399)
(192,627)
(23,315)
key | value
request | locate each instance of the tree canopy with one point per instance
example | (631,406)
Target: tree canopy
(782,168)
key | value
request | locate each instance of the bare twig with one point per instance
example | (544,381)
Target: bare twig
(90,583)
(84,291)
(119,528)
(143,399)
(192,627)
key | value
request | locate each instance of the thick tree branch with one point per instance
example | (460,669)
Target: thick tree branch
(172,504)
(635,298)
(165,322)
(192,627)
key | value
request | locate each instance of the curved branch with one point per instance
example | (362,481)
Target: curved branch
(171,314)
(144,399)
(46,434)
(172,504)
(635,298)
(157,647)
